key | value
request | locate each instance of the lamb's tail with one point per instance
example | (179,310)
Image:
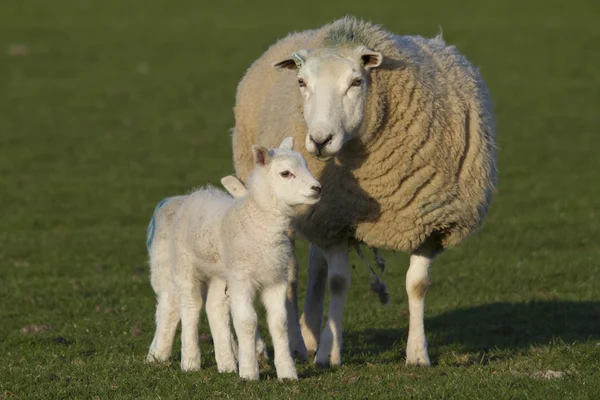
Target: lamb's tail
(152,224)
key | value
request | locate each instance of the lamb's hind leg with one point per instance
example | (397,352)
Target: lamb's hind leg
(312,318)
(339,273)
(167,319)
(416,286)
(167,314)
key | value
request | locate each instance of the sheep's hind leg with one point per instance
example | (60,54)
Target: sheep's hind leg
(217,310)
(339,274)
(297,347)
(312,319)
(416,287)
(167,319)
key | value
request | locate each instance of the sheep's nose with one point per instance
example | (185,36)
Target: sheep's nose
(316,189)
(320,145)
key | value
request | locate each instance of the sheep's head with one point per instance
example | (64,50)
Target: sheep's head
(286,173)
(334,84)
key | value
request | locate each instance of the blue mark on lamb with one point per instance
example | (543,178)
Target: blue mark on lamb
(152,225)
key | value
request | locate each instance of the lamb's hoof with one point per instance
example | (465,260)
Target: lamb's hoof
(190,364)
(249,376)
(227,369)
(288,377)
(261,350)
(152,358)
(418,362)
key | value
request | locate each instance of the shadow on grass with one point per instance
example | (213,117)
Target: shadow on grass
(504,326)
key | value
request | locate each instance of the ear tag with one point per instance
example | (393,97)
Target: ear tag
(298,60)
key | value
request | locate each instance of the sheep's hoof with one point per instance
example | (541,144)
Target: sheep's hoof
(301,356)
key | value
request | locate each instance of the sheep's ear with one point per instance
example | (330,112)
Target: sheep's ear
(234,186)
(287,143)
(369,58)
(261,155)
(293,61)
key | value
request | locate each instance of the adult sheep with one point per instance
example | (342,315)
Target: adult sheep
(399,132)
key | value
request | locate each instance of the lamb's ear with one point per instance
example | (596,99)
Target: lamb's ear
(369,58)
(234,186)
(261,155)
(287,143)
(293,61)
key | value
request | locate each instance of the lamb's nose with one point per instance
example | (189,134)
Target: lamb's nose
(320,145)
(316,189)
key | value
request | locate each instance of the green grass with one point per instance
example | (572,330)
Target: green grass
(108,107)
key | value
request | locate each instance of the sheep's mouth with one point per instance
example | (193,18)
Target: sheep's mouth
(322,157)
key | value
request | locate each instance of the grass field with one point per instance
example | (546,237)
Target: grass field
(108,107)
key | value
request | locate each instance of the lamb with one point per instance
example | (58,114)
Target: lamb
(211,245)
(400,133)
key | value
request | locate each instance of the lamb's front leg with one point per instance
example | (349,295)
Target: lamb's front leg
(241,295)
(273,298)
(339,273)
(416,287)
(217,310)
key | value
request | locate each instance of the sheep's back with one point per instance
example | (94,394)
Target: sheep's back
(432,168)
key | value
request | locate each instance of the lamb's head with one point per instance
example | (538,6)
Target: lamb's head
(284,174)
(334,84)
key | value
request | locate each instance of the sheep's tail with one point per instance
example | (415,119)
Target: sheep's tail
(152,224)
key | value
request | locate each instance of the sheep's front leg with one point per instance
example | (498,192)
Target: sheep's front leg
(297,347)
(274,298)
(416,287)
(191,299)
(312,318)
(217,310)
(241,295)
(339,273)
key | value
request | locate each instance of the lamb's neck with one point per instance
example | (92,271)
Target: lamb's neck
(266,217)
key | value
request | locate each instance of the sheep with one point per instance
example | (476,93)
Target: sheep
(399,131)
(211,246)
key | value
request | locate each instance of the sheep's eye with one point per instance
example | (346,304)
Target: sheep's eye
(301,82)
(286,174)
(357,82)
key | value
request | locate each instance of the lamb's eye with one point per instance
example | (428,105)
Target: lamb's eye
(286,174)
(301,82)
(357,82)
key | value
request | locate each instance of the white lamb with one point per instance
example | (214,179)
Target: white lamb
(209,241)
